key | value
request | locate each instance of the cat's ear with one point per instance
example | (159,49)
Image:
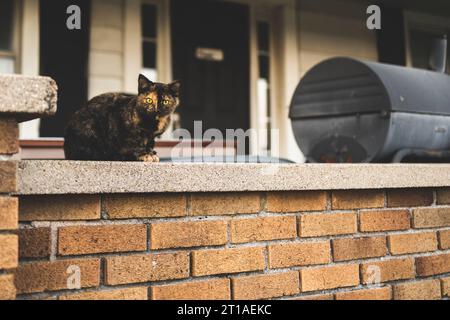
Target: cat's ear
(175,88)
(145,85)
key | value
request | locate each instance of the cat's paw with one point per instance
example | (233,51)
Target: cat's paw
(155,158)
(149,158)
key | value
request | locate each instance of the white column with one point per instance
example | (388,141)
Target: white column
(132,45)
(29,56)
(288,76)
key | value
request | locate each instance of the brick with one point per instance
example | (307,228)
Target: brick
(139,293)
(211,204)
(266,286)
(9,251)
(9,213)
(9,137)
(261,229)
(384,293)
(146,267)
(444,239)
(7,287)
(420,290)
(53,276)
(80,240)
(129,206)
(445,287)
(387,270)
(35,243)
(215,289)
(8,176)
(296,201)
(188,234)
(59,208)
(357,199)
(412,243)
(432,265)
(431,217)
(443,196)
(318,297)
(327,224)
(409,197)
(299,254)
(325,278)
(209,262)
(359,248)
(384,220)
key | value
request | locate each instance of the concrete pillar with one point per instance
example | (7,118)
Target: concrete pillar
(21,99)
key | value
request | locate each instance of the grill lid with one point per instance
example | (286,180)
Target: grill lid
(342,86)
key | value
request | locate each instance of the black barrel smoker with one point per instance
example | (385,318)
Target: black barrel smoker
(349,111)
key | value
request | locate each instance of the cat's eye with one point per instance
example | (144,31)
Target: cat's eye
(149,100)
(166,102)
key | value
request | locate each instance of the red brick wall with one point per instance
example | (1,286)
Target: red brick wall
(9,132)
(299,245)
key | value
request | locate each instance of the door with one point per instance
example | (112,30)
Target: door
(211,57)
(64,57)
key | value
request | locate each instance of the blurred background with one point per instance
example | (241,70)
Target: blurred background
(239,60)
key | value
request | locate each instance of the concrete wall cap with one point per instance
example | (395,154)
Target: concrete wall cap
(27,98)
(71,177)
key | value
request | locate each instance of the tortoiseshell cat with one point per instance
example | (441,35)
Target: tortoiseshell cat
(122,127)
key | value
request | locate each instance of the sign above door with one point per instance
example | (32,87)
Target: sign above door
(210,54)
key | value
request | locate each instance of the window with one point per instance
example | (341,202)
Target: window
(264,142)
(421,41)
(421,31)
(149,40)
(8,60)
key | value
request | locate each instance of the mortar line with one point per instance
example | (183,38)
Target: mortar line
(53,242)
(228,276)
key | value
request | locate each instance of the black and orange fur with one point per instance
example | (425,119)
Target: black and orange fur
(122,127)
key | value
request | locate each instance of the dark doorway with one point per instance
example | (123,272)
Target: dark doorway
(64,57)
(211,56)
(391,37)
